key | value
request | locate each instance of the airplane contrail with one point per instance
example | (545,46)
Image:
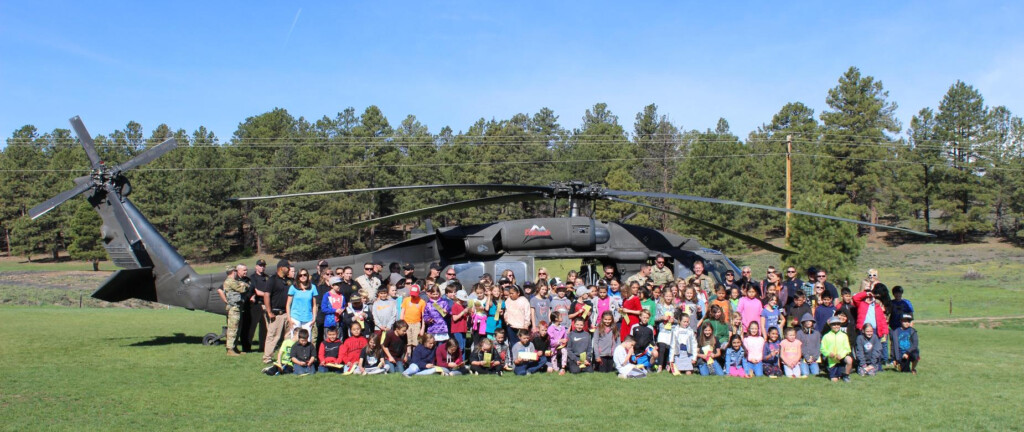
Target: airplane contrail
(290,30)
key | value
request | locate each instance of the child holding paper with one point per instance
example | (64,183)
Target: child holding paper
(352,347)
(436,314)
(709,352)
(371,359)
(421,362)
(557,334)
(501,346)
(542,343)
(580,349)
(449,358)
(525,356)
(485,360)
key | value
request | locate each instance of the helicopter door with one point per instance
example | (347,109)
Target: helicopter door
(522,268)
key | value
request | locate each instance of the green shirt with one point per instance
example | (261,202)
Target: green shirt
(836,343)
(652,306)
(286,352)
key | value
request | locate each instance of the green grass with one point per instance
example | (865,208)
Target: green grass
(114,369)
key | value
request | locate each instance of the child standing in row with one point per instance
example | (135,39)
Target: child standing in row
(810,345)
(605,338)
(750,308)
(835,346)
(791,354)
(772,349)
(683,343)
(754,346)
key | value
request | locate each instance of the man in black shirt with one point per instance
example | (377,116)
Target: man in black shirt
(252,313)
(275,300)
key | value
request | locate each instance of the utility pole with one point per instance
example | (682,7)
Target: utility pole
(789,179)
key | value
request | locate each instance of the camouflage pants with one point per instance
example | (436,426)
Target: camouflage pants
(234,317)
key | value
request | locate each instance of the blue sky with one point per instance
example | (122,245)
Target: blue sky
(449,63)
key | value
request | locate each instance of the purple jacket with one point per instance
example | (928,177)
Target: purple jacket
(438,324)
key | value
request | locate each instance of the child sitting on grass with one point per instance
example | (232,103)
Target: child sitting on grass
(503,349)
(421,362)
(709,351)
(449,358)
(352,346)
(868,351)
(330,352)
(485,360)
(621,359)
(283,365)
(735,356)
(372,360)
(303,355)
(525,356)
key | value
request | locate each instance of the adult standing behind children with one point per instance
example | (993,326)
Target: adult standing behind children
(661,275)
(301,305)
(259,280)
(275,300)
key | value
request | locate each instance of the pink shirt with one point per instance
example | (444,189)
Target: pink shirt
(755,348)
(791,352)
(750,310)
(517,313)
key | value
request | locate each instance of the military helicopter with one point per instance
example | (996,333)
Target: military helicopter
(153,270)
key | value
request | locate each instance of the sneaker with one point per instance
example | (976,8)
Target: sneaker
(772,376)
(846,379)
(803,377)
(232,353)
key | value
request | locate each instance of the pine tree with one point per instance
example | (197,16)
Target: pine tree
(825,244)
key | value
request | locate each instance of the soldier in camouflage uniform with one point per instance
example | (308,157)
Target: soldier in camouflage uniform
(231,293)
(661,274)
(707,283)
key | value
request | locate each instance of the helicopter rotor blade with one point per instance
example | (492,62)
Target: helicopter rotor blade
(501,199)
(488,187)
(617,193)
(149,155)
(50,204)
(83,136)
(745,238)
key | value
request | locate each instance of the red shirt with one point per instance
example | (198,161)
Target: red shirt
(351,348)
(459,325)
(628,320)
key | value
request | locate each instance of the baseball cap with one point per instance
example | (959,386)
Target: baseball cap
(908,317)
(334,280)
(528,284)
(504,280)
(414,290)
(582,291)
(322,263)
(461,295)
(378,263)
(408,266)
(834,320)
(261,262)
(283,263)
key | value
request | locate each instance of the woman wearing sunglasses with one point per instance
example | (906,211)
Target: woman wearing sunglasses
(301,307)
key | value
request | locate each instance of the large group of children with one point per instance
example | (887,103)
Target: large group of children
(738,329)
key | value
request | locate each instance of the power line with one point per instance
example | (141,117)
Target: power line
(435,164)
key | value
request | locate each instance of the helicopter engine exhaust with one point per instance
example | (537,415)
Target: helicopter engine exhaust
(577,233)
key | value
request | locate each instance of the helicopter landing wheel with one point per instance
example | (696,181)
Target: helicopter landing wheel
(212,339)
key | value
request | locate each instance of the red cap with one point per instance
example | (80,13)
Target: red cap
(414,290)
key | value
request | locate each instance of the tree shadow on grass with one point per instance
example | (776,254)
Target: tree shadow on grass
(178,338)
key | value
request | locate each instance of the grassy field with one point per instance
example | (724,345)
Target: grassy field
(106,367)
(112,369)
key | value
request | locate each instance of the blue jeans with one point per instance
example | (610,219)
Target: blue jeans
(461,339)
(885,351)
(414,369)
(756,368)
(397,367)
(809,369)
(531,367)
(303,370)
(702,366)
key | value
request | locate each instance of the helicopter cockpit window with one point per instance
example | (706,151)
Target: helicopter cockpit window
(468,273)
(519,269)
